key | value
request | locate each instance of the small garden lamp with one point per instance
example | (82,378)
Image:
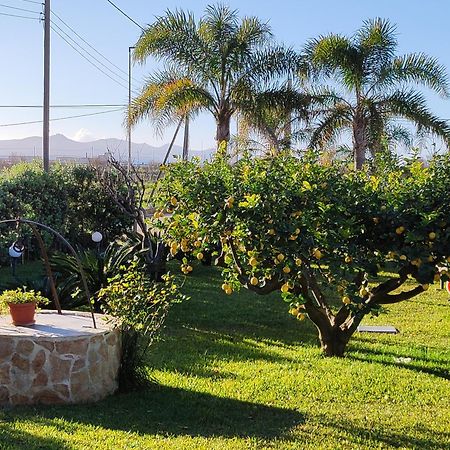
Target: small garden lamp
(97,237)
(15,252)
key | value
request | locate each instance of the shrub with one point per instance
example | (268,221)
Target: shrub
(69,199)
(315,233)
(138,307)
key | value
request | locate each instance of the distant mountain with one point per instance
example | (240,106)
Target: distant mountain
(62,147)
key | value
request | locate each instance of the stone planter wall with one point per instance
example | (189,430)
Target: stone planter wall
(57,362)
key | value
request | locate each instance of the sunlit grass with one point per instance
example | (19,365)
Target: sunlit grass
(239,372)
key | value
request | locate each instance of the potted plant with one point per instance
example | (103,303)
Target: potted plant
(22,305)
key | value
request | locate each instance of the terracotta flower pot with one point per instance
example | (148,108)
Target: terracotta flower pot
(22,313)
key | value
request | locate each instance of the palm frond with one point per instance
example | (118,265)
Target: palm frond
(173,37)
(411,105)
(165,98)
(270,63)
(330,126)
(420,69)
(253,33)
(377,39)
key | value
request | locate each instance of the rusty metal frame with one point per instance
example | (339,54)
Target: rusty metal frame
(32,224)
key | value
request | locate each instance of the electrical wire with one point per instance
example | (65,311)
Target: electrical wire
(88,44)
(61,118)
(66,106)
(20,9)
(90,54)
(125,14)
(21,17)
(87,59)
(32,1)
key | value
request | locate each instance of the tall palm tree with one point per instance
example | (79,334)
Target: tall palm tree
(219,64)
(369,88)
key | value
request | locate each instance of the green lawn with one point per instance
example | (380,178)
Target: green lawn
(239,372)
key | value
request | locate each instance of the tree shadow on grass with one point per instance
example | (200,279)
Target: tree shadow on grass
(417,364)
(432,440)
(14,439)
(173,411)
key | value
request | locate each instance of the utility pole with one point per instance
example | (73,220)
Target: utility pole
(129,107)
(46,118)
(185,155)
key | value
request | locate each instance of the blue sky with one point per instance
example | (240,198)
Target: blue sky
(422,26)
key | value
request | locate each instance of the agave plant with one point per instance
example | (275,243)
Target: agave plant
(98,268)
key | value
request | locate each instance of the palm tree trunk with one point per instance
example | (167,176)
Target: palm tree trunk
(359,142)
(223,128)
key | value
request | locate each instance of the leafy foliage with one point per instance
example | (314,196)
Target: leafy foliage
(21,296)
(98,268)
(221,64)
(307,230)
(138,306)
(376,87)
(69,199)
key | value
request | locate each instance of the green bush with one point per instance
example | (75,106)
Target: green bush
(69,199)
(138,306)
(315,233)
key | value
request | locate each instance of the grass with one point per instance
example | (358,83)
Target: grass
(238,372)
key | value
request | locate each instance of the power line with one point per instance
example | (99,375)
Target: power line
(126,15)
(88,60)
(88,44)
(67,106)
(90,54)
(32,1)
(61,118)
(21,17)
(20,9)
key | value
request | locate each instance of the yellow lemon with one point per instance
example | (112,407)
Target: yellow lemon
(348,259)
(400,230)
(346,300)
(286,269)
(280,257)
(432,236)
(253,261)
(317,254)
(298,262)
(285,288)
(301,316)
(271,232)
(200,256)
(254,281)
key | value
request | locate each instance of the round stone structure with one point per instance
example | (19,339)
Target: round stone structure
(60,359)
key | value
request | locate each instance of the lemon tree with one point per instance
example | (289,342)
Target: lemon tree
(320,235)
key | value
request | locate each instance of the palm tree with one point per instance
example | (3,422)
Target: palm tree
(219,64)
(376,88)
